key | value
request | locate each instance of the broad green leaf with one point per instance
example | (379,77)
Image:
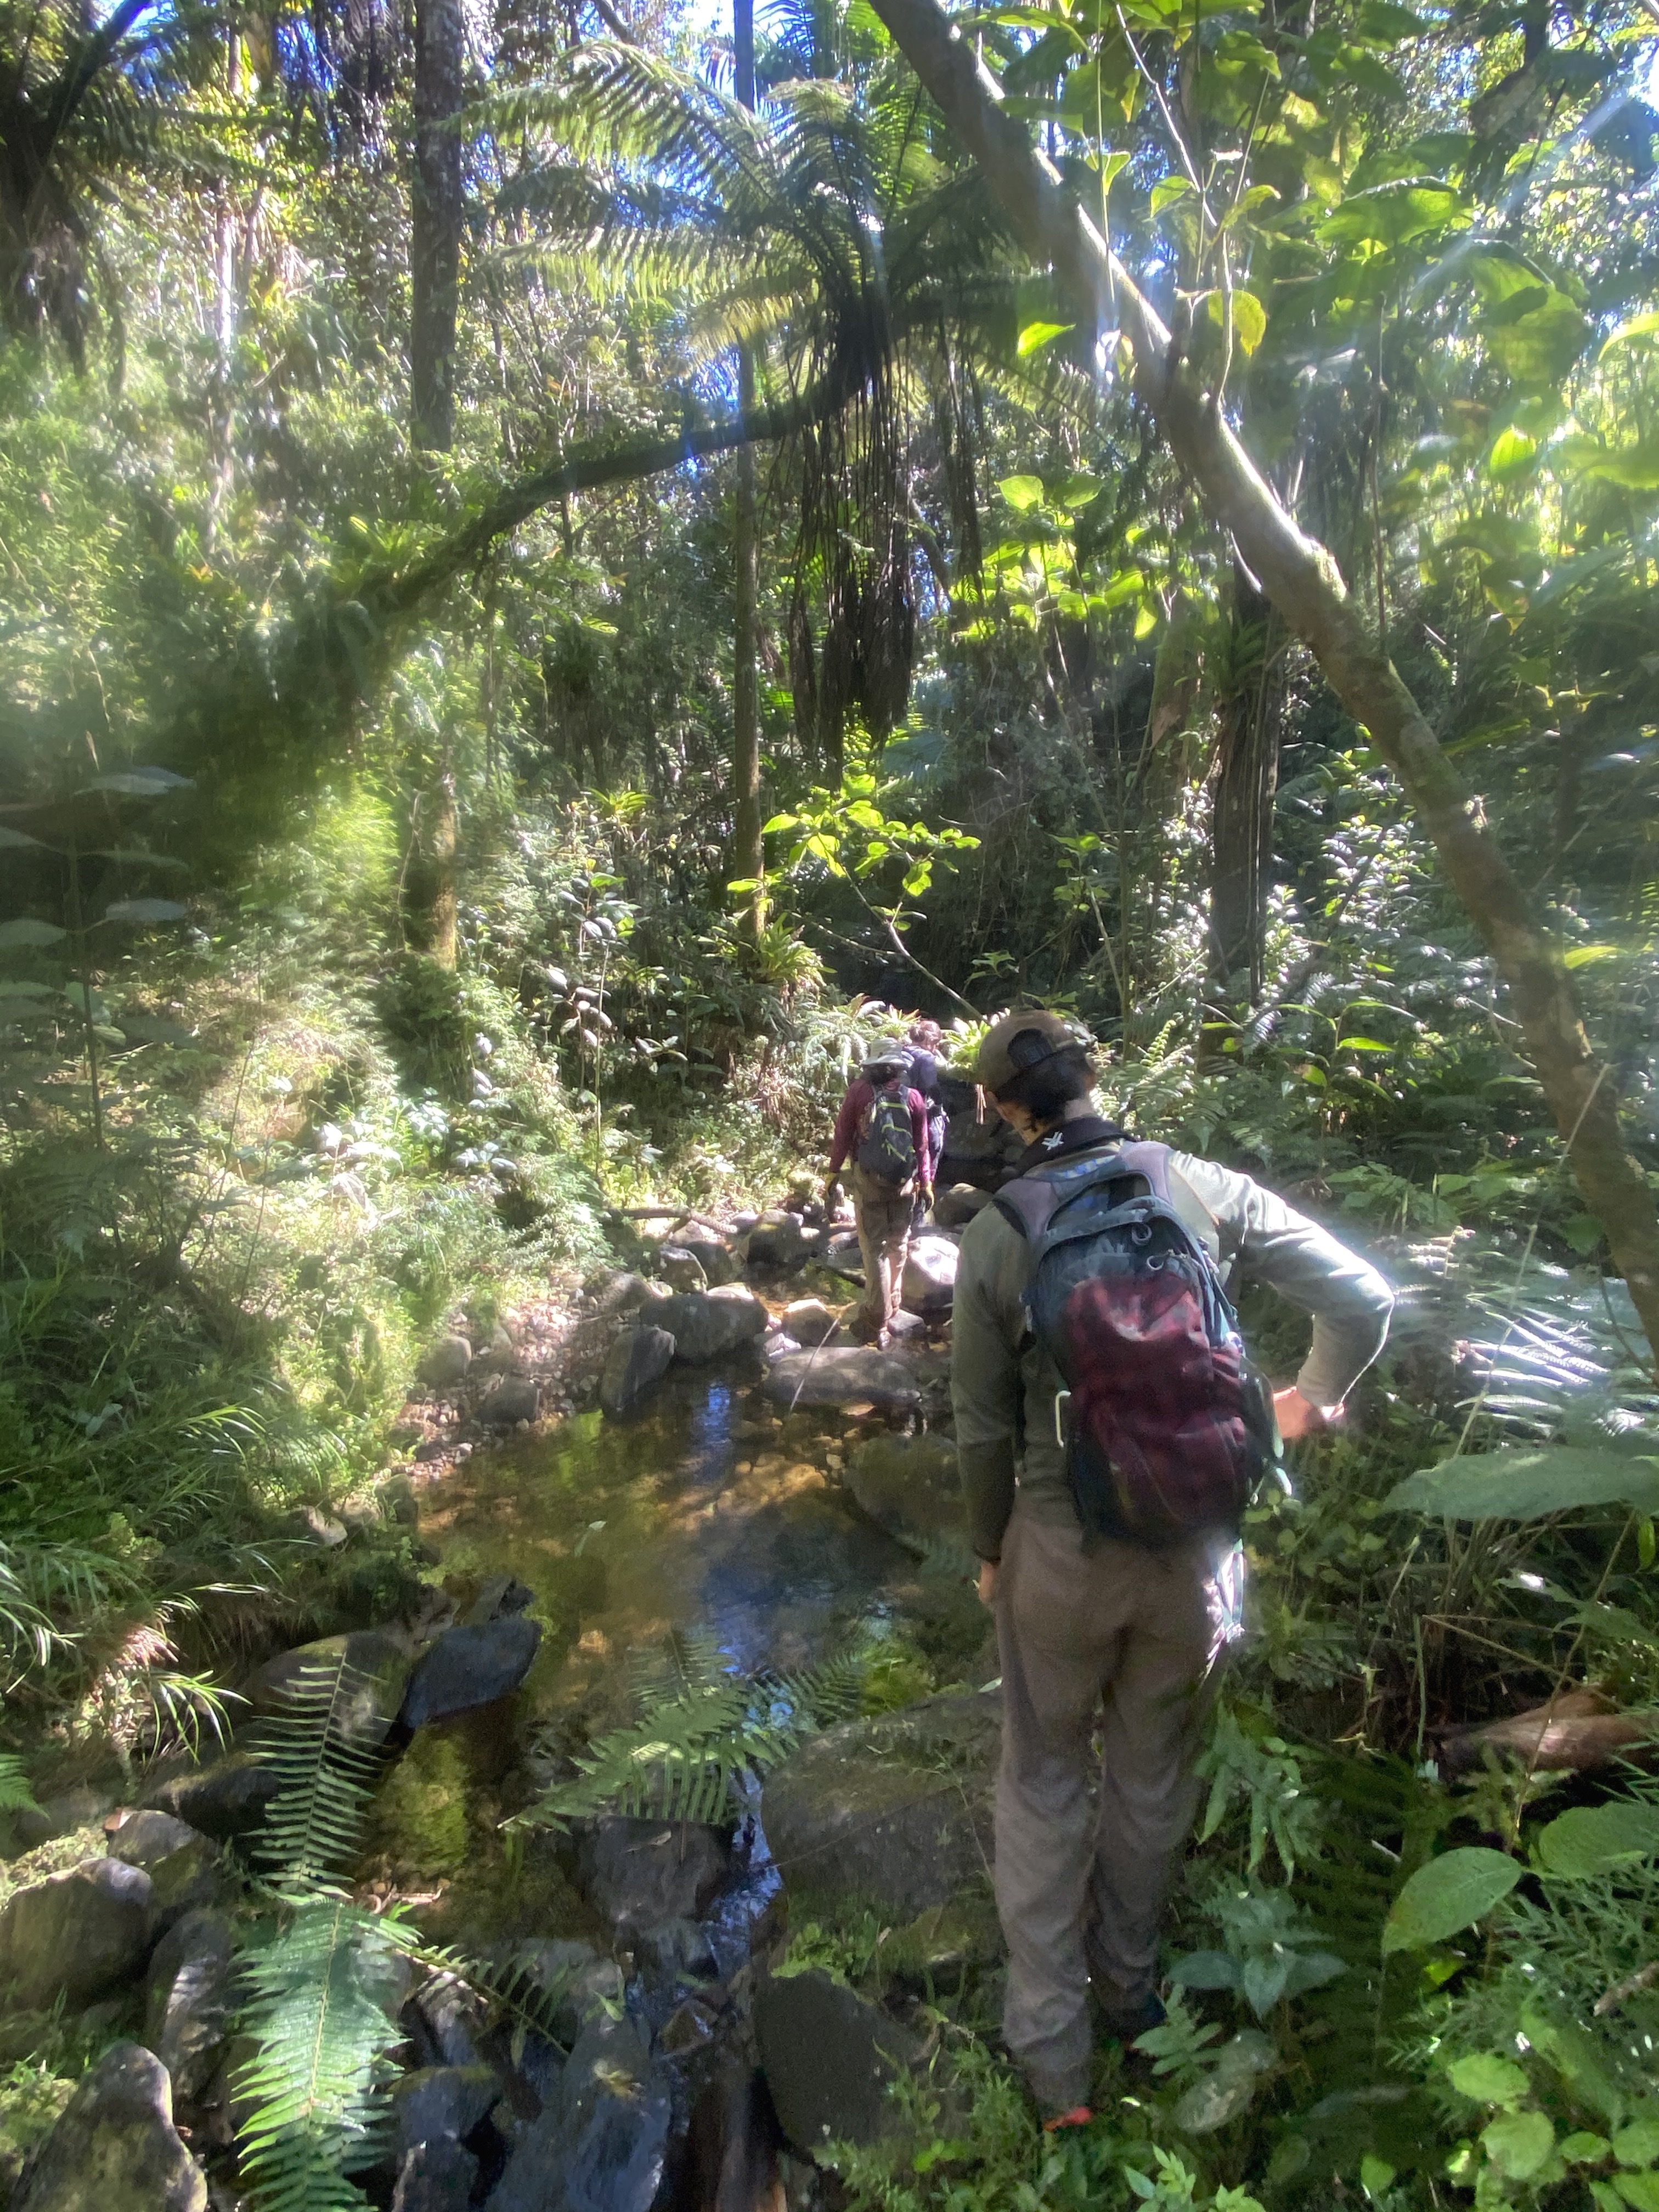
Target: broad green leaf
(1447,1894)
(781,822)
(1078,490)
(1521,1482)
(1637,2144)
(1512,452)
(14,935)
(1207,1970)
(1395,214)
(1385,23)
(1363,1044)
(1168,190)
(1519,2143)
(12,840)
(1582,955)
(1249,317)
(1488,2078)
(1035,336)
(1021,493)
(1540,344)
(1639,327)
(1639,2190)
(1591,1840)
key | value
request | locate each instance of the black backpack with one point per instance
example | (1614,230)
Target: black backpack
(1166,1425)
(887,1150)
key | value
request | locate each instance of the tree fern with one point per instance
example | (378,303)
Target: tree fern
(702,1730)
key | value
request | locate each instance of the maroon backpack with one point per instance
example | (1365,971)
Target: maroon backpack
(1166,1426)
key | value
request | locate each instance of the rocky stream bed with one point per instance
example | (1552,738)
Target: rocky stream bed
(746,1473)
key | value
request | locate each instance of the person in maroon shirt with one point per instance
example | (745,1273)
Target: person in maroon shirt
(882,1204)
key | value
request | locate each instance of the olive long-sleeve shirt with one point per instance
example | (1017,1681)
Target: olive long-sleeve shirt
(1003,1384)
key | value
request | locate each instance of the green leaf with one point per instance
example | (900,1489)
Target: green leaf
(145,910)
(1166,190)
(15,935)
(11,840)
(1521,1482)
(1207,1970)
(781,822)
(1637,2144)
(1639,2190)
(1512,452)
(1582,955)
(1592,1839)
(1394,215)
(1449,1893)
(1035,336)
(1021,493)
(1639,327)
(1519,2143)
(1249,317)
(1386,22)
(1363,1044)
(1488,2078)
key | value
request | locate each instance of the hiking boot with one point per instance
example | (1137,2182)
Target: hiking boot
(1123,2017)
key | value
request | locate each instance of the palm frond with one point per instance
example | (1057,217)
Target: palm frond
(311,1828)
(315,2086)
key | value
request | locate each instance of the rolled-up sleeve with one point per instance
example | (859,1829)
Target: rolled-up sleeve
(1271,1242)
(985,1380)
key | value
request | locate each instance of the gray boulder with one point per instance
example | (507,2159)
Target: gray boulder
(930,1273)
(76,1935)
(894,1811)
(718,1262)
(828,2056)
(709,1324)
(439,2103)
(145,1838)
(908,1486)
(843,1375)
(515,1398)
(224,1800)
(637,1362)
(498,1595)
(810,1321)
(116,2146)
(445,2020)
(444,1366)
(636,1873)
(681,1269)
(955,1207)
(435,2177)
(190,2003)
(777,1240)
(600,2144)
(377,1675)
(183,1866)
(576,1980)
(621,1293)
(469,1667)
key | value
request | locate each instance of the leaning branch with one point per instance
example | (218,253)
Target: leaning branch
(1302,580)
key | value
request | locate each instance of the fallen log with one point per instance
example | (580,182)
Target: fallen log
(1580,1731)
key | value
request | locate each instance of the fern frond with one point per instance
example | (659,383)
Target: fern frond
(313,1826)
(508,1989)
(315,2085)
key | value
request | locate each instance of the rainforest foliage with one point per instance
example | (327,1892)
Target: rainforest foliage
(560,563)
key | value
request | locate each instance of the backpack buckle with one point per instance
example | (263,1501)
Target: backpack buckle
(1062,1398)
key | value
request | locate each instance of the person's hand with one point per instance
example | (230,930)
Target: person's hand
(988,1571)
(1298,1416)
(831,1192)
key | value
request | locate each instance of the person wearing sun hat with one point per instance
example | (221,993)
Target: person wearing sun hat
(1095,1631)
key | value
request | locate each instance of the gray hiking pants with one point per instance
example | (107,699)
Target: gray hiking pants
(883,1215)
(1135,1637)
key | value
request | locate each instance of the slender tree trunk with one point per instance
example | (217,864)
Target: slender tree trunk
(1246,783)
(1299,576)
(435,214)
(443,912)
(220,428)
(748,849)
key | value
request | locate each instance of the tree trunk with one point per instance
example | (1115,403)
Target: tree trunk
(434,229)
(748,849)
(1303,581)
(1246,782)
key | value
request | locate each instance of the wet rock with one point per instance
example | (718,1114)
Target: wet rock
(599,2144)
(142,1839)
(374,1677)
(810,1321)
(310,1524)
(637,1362)
(894,1811)
(445,2022)
(777,1240)
(435,2177)
(674,1951)
(515,1398)
(828,2056)
(843,1375)
(190,2001)
(574,1980)
(76,1935)
(226,1799)
(719,1264)
(398,1502)
(444,1367)
(955,1207)
(637,1874)
(690,2027)
(116,2146)
(930,1273)
(625,1292)
(709,1324)
(470,1667)
(681,1269)
(908,1486)
(498,1596)
(184,1867)
(436,2104)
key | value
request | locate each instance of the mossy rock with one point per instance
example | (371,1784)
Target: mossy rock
(896,1808)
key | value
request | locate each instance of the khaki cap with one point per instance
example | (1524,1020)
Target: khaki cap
(995,1066)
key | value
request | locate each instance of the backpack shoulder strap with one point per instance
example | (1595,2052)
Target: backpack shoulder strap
(1032,1201)
(1150,1160)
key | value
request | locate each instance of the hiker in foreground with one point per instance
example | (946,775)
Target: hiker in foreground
(883,1124)
(1111,1432)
